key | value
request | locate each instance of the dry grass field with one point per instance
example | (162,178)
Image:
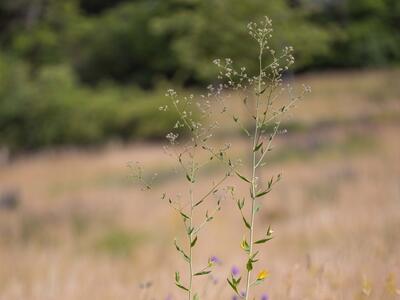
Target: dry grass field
(81,229)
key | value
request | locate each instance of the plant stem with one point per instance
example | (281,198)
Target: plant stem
(191,232)
(253,176)
(190,245)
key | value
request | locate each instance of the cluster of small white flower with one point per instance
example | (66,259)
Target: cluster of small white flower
(172,137)
(261,31)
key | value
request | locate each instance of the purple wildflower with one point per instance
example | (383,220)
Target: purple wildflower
(235,271)
(264,296)
(235,297)
(215,260)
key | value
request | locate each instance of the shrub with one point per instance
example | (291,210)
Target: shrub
(52,109)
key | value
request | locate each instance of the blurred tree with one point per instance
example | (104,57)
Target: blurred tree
(38,30)
(48,48)
(205,30)
(120,45)
(53,109)
(92,7)
(364,32)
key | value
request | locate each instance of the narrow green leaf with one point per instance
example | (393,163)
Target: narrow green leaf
(254,255)
(240,203)
(190,178)
(270,182)
(190,230)
(185,257)
(245,245)
(202,273)
(233,286)
(262,241)
(193,242)
(198,203)
(262,91)
(184,215)
(177,246)
(258,147)
(246,223)
(242,177)
(182,287)
(249,265)
(262,193)
(269,231)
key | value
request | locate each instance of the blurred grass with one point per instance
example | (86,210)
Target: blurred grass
(81,218)
(119,242)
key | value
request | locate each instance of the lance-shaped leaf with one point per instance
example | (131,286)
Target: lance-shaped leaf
(240,203)
(184,215)
(262,91)
(179,249)
(193,242)
(234,284)
(202,273)
(260,194)
(190,178)
(262,241)
(177,277)
(270,182)
(269,231)
(246,223)
(245,245)
(181,286)
(190,230)
(198,203)
(242,177)
(249,265)
(258,147)
(254,256)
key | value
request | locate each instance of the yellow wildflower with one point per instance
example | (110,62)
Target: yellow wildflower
(262,275)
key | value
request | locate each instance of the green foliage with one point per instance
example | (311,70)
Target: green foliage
(120,45)
(52,108)
(370,48)
(208,29)
(366,31)
(143,41)
(42,35)
(58,57)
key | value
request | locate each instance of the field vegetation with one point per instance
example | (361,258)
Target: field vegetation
(80,228)
(84,72)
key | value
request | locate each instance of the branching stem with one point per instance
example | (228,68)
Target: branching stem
(254,175)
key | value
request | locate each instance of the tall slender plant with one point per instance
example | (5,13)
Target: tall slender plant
(194,153)
(262,93)
(262,101)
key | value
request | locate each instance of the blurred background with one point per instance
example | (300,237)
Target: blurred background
(81,82)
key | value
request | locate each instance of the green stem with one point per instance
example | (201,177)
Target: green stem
(191,233)
(190,246)
(253,176)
